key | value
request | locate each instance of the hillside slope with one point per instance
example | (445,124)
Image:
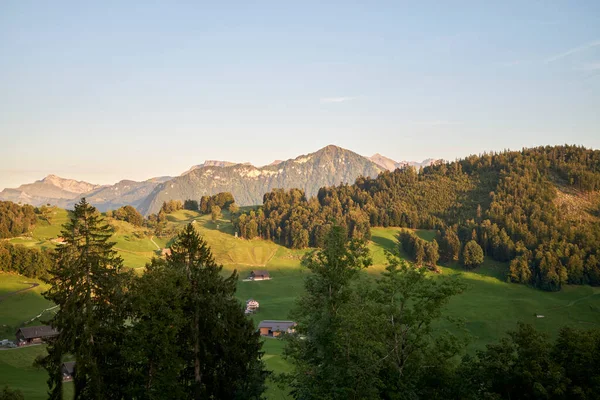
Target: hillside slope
(538,208)
(329,166)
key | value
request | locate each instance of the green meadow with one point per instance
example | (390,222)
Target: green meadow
(488,308)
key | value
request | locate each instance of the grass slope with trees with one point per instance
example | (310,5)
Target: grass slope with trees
(538,209)
(489,306)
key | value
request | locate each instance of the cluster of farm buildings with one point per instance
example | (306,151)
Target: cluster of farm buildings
(27,336)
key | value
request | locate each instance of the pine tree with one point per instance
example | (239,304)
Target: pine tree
(432,254)
(219,344)
(87,286)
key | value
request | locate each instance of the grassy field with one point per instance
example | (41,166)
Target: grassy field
(17,371)
(489,307)
(19,308)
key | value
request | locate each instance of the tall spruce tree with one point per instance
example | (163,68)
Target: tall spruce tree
(220,347)
(87,286)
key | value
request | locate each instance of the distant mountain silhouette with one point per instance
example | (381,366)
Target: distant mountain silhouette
(328,166)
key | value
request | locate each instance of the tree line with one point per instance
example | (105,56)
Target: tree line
(518,206)
(26,261)
(15,219)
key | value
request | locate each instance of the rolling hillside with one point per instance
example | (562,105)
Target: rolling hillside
(489,307)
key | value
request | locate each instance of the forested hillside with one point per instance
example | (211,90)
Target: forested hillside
(15,219)
(538,208)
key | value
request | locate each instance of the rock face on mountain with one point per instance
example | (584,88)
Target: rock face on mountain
(120,194)
(384,162)
(389,164)
(213,163)
(328,166)
(66,192)
(52,189)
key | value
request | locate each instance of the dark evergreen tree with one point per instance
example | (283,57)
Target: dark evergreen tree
(220,347)
(87,286)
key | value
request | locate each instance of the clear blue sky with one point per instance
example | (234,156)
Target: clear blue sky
(108,90)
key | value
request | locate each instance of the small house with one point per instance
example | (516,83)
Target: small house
(252,304)
(276,328)
(259,275)
(165,252)
(68,370)
(34,334)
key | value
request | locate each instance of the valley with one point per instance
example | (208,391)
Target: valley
(489,307)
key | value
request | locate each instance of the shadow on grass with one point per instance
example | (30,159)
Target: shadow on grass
(385,243)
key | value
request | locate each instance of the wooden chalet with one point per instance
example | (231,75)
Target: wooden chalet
(275,328)
(259,275)
(34,334)
(68,370)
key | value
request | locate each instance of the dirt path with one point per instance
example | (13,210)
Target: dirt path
(573,302)
(154,243)
(20,290)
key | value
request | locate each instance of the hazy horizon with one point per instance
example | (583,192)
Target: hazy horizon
(110,91)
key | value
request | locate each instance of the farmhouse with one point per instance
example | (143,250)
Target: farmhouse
(276,328)
(68,370)
(34,334)
(165,252)
(259,275)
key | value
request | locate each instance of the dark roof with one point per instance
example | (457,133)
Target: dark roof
(69,366)
(260,272)
(30,332)
(281,326)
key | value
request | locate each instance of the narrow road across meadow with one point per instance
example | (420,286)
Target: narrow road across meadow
(20,290)
(154,243)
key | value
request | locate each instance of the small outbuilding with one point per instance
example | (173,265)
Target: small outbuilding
(273,328)
(34,334)
(259,275)
(68,370)
(251,306)
(165,252)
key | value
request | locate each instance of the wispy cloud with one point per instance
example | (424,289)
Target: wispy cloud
(336,99)
(574,50)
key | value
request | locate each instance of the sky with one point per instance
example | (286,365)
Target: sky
(111,90)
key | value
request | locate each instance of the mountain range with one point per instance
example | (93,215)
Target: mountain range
(330,165)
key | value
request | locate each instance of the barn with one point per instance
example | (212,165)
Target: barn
(68,370)
(34,334)
(275,328)
(259,275)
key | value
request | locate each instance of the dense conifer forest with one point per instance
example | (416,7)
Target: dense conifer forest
(537,208)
